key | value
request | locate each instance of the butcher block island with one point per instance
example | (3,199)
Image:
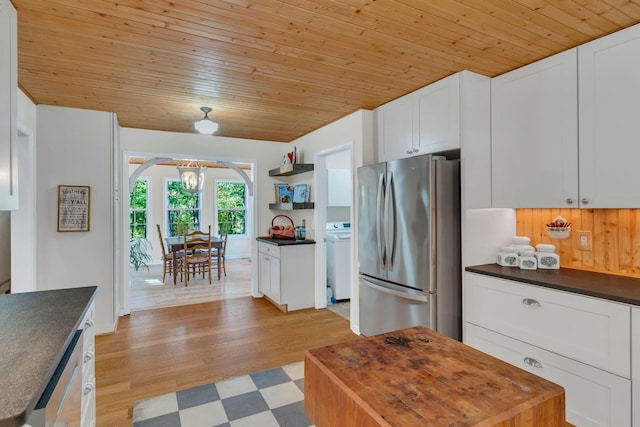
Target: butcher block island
(418,377)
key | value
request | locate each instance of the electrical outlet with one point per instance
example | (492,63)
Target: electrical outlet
(583,239)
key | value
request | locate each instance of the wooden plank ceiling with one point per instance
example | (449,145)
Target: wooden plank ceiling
(278,69)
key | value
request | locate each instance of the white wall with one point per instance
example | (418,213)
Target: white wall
(74,148)
(157,176)
(357,129)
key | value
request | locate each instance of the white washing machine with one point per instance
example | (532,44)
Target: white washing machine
(339,259)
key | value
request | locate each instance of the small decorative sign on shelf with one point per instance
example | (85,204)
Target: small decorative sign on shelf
(74,202)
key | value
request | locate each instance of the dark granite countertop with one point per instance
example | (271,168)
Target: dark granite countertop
(284,242)
(35,330)
(601,285)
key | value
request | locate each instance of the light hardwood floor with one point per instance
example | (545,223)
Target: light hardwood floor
(163,350)
(149,291)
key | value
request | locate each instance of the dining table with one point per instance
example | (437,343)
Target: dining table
(176,243)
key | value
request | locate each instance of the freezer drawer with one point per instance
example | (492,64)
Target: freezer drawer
(385,307)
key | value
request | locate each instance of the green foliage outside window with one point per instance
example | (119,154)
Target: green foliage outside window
(138,210)
(231,207)
(183,209)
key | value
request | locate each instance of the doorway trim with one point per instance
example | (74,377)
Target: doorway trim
(320,220)
(124,303)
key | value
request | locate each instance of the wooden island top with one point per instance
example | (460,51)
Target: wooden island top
(418,377)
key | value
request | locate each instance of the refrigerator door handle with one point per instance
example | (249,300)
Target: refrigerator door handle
(406,295)
(389,240)
(381,254)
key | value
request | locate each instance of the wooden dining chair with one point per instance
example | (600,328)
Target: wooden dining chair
(167,258)
(197,254)
(223,249)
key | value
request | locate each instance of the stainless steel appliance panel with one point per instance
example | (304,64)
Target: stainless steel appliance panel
(409,241)
(448,275)
(408,201)
(372,182)
(61,402)
(390,307)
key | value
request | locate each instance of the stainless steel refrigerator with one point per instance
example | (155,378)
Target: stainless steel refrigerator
(409,245)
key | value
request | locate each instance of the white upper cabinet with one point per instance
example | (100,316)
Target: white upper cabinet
(534,141)
(565,129)
(395,129)
(609,115)
(450,114)
(437,110)
(339,187)
(424,121)
(8,106)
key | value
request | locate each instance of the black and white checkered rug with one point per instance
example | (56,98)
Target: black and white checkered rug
(268,398)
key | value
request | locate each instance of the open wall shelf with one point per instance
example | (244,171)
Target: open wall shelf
(294,169)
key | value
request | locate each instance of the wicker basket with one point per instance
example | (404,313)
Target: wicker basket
(280,232)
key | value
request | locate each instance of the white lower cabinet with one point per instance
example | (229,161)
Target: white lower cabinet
(635,365)
(286,274)
(578,342)
(88,369)
(269,272)
(593,397)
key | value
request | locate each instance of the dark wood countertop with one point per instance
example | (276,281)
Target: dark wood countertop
(606,286)
(35,330)
(418,377)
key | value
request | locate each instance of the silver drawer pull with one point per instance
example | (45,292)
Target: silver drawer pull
(531,302)
(88,388)
(532,362)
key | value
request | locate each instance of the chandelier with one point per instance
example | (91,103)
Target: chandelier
(205,125)
(191,177)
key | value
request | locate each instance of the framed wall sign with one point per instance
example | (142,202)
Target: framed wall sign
(73,207)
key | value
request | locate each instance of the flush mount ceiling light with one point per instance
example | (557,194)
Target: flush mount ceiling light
(205,125)
(191,177)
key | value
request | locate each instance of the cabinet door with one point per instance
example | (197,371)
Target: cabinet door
(8,107)
(534,139)
(339,187)
(609,94)
(635,365)
(594,398)
(589,330)
(437,107)
(264,273)
(274,279)
(395,129)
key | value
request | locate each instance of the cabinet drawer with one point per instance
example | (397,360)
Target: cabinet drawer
(267,248)
(589,330)
(594,398)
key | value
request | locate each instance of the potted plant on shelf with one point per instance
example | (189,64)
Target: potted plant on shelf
(139,253)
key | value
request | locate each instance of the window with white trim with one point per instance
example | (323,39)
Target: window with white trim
(183,209)
(138,209)
(231,207)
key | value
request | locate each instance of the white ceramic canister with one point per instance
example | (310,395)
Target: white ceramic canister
(520,240)
(547,258)
(507,256)
(523,248)
(527,261)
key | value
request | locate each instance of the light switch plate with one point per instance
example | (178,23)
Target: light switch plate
(584,240)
